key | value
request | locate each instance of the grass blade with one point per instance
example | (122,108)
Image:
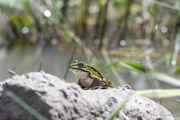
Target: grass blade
(120,106)
(133,66)
(25,106)
(159,76)
(40,67)
(178,101)
(163,4)
(159,93)
(114,71)
(175,52)
(148,93)
(165,78)
(70,61)
(108,65)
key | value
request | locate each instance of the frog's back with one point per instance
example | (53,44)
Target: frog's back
(95,72)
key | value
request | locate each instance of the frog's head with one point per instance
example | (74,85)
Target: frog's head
(79,69)
(78,65)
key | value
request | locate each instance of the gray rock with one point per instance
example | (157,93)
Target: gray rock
(56,99)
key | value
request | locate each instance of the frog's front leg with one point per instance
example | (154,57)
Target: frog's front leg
(80,84)
(94,84)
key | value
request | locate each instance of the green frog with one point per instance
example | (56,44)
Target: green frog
(89,77)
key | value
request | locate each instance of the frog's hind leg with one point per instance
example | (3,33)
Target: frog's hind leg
(96,87)
(99,84)
(95,83)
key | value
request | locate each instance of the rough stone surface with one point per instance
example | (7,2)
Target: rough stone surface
(56,99)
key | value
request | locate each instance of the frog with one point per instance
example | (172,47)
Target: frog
(89,77)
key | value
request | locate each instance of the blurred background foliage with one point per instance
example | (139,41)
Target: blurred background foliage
(112,35)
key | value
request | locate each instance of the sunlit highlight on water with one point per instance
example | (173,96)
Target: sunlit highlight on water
(139,20)
(53,41)
(25,30)
(47,13)
(147,57)
(173,62)
(156,27)
(123,43)
(146,41)
(96,41)
(94,9)
(164,29)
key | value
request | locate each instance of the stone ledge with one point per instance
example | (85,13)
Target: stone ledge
(56,99)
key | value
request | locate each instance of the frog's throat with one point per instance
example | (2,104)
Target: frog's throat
(86,82)
(82,74)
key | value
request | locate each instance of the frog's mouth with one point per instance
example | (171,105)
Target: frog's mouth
(72,67)
(77,69)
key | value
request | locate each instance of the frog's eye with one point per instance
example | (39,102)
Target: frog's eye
(81,64)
